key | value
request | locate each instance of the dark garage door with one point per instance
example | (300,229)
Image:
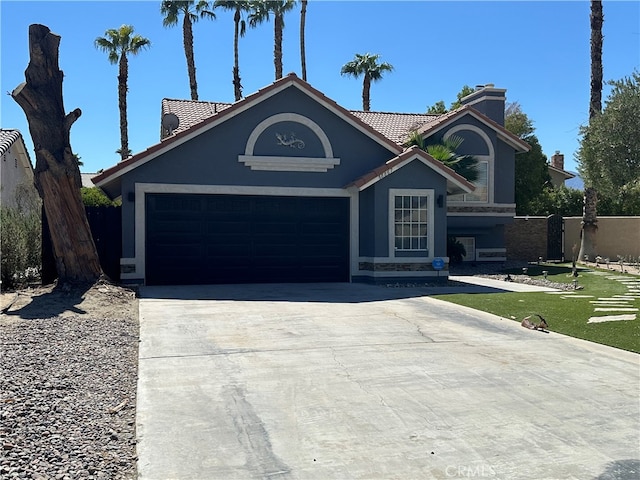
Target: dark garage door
(202,239)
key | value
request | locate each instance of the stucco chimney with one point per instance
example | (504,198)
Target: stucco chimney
(488,100)
(557,160)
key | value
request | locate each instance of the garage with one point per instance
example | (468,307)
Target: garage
(209,239)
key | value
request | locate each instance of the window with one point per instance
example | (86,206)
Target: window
(410,222)
(469,244)
(481,193)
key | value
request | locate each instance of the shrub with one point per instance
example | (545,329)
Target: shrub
(455,250)
(94,197)
(20,246)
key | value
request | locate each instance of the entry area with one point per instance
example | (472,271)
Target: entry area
(219,239)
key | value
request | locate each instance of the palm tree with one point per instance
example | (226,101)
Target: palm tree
(240,27)
(446,152)
(303,58)
(260,13)
(117,43)
(368,66)
(589,216)
(597,19)
(191,12)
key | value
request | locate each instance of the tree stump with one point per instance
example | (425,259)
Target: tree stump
(57,174)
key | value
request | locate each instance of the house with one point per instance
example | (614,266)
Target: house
(286,185)
(17,189)
(557,172)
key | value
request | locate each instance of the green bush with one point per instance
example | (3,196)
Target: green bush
(455,250)
(94,197)
(20,246)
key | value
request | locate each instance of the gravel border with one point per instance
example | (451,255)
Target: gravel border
(68,398)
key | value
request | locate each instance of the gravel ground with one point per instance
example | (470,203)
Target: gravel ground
(68,387)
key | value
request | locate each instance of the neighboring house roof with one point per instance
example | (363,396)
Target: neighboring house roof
(86,179)
(8,138)
(16,171)
(560,172)
(455,182)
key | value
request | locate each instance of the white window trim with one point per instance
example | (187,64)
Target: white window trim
(430,194)
(490,159)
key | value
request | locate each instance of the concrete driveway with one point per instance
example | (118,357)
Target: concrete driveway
(348,381)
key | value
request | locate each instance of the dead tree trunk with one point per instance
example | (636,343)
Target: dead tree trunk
(57,175)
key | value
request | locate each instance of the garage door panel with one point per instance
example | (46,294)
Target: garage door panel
(242,239)
(226,227)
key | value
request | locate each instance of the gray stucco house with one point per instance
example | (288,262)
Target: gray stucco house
(286,185)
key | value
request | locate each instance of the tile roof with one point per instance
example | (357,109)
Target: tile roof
(396,126)
(8,138)
(190,112)
(392,125)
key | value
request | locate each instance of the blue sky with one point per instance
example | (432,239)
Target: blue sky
(538,51)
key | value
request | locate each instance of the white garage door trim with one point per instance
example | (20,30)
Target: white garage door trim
(140,213)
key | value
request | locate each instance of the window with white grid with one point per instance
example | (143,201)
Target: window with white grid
(411,222)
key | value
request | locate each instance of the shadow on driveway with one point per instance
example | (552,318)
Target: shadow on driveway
(309,292)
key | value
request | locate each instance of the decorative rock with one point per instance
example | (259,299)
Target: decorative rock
(59,377)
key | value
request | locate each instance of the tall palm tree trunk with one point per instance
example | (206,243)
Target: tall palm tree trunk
(123,74)
(277,48)
(303,58)
(366,90)
(187,29)
(237,86)
(588,244)
(597,19)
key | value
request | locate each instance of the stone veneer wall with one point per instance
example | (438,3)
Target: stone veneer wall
(526,238)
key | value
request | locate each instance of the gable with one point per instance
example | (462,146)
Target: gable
(288,137)
(455,183)
(284,125)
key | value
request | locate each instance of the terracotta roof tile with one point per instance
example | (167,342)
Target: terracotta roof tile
(395,126)
(190,112)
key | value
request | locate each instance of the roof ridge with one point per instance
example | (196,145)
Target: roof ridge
(396,113)
(193,101)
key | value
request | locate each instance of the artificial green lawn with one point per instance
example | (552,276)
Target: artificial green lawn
(568,316)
